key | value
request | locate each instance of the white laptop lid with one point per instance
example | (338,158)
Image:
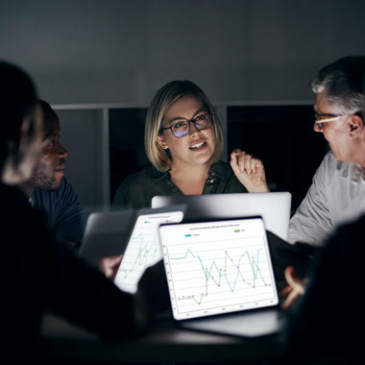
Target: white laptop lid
(274,207)
(216,267)
(143,248)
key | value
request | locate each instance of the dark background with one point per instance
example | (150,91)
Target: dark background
(99,63)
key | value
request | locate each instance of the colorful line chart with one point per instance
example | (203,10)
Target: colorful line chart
(143,249)
(215,270)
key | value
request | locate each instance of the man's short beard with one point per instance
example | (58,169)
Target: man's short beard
(41,181)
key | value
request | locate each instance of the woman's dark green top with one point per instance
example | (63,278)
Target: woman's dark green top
(137,190)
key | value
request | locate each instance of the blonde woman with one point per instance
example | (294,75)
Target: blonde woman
(184,141)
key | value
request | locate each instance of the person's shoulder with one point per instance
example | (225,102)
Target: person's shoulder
(330,162)
(16,209)
(142,177)
(331,166)
(12,197)
(134,182)
(343,243)
(327,167)
(133,189)
(138,177)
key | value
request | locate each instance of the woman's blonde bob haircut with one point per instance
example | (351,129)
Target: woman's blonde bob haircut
(163,99)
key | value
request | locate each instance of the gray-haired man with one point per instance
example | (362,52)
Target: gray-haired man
(337,194)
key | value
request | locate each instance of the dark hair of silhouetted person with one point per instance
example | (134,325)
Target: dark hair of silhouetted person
(18,98)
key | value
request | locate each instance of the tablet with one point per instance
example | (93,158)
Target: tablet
(143,248)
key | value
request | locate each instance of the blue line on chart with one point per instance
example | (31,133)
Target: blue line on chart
(207,276)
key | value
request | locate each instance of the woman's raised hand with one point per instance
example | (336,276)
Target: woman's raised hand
(249,171)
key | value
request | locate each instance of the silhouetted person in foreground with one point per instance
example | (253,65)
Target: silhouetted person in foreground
(38,273)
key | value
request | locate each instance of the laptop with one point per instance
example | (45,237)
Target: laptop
(220,277)
(274,207)
(109,233)
(143,248)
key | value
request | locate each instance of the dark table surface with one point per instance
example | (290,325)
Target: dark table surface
(164,343)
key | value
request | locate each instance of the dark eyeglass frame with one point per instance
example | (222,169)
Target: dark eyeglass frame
(195,121)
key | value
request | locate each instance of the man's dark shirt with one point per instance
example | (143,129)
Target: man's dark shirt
(63,210)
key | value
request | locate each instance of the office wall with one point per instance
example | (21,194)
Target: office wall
(113,51)
(122,51)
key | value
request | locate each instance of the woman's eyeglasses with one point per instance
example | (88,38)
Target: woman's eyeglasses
(182,128)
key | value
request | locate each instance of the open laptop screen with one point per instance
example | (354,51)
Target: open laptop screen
(217,267)
(143,249)
(273,207)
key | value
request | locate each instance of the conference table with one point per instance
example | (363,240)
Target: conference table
(164,343)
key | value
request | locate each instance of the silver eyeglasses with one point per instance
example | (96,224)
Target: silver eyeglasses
(182,127)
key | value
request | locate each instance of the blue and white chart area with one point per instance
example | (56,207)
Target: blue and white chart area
(143,249)
(217,267)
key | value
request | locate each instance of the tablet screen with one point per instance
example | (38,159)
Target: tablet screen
(143,249)
(217,267)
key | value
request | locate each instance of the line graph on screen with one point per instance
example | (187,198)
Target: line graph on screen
(143,249)
(146,249)
(214,273)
